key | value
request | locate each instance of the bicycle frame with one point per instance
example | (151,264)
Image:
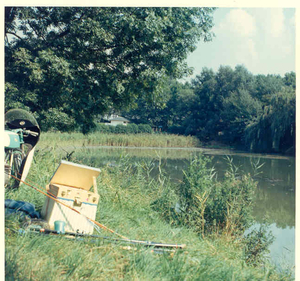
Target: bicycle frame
(20,138)
(14,152)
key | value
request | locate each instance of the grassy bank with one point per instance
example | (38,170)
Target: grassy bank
(127,196)
(134,140)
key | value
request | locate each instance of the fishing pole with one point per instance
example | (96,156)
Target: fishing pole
(51,196)
(130,241)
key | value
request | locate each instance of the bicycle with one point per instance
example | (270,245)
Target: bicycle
(20,138)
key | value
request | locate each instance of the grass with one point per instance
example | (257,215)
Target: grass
(134,140)
(126,196)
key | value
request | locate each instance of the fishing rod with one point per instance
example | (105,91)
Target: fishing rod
(51,196)
(130,241)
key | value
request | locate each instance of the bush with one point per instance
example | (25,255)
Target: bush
(132,128)
(102,128)
(121,129)
(143,128)
(257,244)
(207,205)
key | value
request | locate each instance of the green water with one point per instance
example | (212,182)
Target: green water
(275,196)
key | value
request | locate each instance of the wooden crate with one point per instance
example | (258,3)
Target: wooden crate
(71,184)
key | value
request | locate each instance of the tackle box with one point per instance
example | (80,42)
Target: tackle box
(71,184)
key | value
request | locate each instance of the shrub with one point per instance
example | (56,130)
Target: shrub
(121,129)
(257,244)
(102,128)
(132,128)
(144,128)
(207,205)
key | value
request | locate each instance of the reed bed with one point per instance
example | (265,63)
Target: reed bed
(102,139)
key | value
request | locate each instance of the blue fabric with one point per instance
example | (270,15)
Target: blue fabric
(25,208)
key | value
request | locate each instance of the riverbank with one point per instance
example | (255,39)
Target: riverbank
(126,205)
(139,142)
(102,139)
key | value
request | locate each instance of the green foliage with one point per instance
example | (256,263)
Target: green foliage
(85,61)
(266,86)
(133,128)
(228,107)
(208,205)
(257,244)
(290,80)
(239,109)
(121,129)
(274,130)
(126,193)
(55,119)
(111,139)
(171,108)
(144,128)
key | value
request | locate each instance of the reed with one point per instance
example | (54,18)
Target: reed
(127,196)
(104,139)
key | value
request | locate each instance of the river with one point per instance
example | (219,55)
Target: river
(275,195)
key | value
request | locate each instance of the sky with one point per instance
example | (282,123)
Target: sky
(261,39)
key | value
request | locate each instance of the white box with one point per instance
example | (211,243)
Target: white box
(70,185)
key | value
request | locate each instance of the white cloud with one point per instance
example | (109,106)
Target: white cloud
(269,21)
(276,22)
(244,52)
(263,39)
(236,35)
(239,22)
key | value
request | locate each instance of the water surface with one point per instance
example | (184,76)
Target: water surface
(275,195)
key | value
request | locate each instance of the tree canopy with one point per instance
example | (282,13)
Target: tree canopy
(230,106)
(69,64)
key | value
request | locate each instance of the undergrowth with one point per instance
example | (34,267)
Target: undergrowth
(199,212)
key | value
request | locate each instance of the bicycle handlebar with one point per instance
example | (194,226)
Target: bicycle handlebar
(34,134)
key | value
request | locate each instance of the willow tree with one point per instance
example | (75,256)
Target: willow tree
(275,129)
(69,64)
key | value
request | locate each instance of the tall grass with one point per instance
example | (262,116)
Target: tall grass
(134,140)
(128,195)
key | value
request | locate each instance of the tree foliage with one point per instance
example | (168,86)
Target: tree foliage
(231,106)
(83,61)
(274,130)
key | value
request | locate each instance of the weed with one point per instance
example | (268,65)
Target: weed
(257,244)
(134,203)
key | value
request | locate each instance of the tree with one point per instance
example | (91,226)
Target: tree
(169,111)
(204,120)
(290,80)
(239,110)
(274,130)
(82,61)
(267,86)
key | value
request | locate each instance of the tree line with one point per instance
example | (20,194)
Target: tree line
(68,65)
(230,106)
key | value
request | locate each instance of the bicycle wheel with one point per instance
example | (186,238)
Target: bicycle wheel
(17,159)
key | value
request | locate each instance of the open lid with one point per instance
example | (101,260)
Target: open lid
(74,175)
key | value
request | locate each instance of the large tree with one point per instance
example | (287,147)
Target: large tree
(69,64)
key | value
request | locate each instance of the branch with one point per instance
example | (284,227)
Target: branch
(14,34)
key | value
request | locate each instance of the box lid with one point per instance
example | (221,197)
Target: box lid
(74,175)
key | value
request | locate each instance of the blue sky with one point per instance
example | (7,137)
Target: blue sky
(262,39)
